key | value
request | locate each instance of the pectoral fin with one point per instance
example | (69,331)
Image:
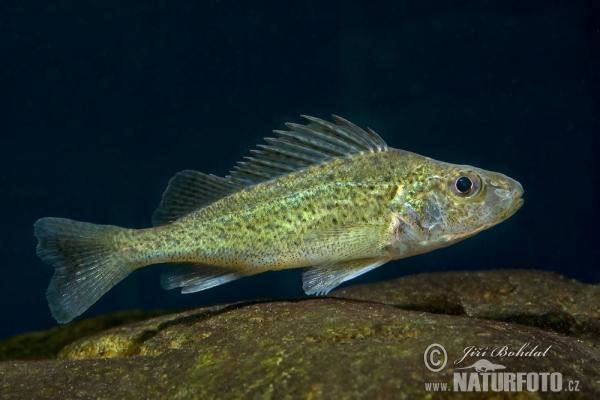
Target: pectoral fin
(321,280)
(332,245)
(341,253)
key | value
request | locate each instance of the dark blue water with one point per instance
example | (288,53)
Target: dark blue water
(102,102)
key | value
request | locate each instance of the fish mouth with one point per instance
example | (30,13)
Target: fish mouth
(515,196)
(517,204)
(515,207)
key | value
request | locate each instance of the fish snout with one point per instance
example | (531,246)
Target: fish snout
(503,195)
(505,188)
(517,190)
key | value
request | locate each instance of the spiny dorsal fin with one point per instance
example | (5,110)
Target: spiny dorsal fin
(301,147)
(189,191)
(304,146)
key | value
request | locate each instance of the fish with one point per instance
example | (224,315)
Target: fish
(327,196)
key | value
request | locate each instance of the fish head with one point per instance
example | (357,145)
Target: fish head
(451,203)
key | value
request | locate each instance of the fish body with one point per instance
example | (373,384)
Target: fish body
(327,196)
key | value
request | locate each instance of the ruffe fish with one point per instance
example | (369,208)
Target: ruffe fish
(327,196)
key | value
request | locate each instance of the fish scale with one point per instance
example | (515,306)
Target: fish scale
(327,196)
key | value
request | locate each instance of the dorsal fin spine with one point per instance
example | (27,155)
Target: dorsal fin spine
(290,164)
(314,157)
(315,144)
(334,134)
(320,134)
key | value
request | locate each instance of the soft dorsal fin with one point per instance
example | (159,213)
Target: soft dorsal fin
(301,147)
(189,191)
(304,146)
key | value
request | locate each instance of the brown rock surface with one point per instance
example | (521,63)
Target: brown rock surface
(528,297)
(321,347)
(45,345)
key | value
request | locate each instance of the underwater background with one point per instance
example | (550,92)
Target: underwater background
(102,102)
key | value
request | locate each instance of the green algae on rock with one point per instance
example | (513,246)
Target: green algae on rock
(45,345)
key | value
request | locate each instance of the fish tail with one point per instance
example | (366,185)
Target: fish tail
(87,263)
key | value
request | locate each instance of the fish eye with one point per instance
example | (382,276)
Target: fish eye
(465,184)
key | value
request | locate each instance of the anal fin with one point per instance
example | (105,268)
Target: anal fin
(193,277)
(321,280)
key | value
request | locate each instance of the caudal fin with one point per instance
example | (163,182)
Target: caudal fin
(87,263)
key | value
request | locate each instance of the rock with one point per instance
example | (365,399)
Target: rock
(309,348)
(528,297)
(46,344)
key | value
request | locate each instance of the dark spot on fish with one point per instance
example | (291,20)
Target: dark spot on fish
(334,220)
